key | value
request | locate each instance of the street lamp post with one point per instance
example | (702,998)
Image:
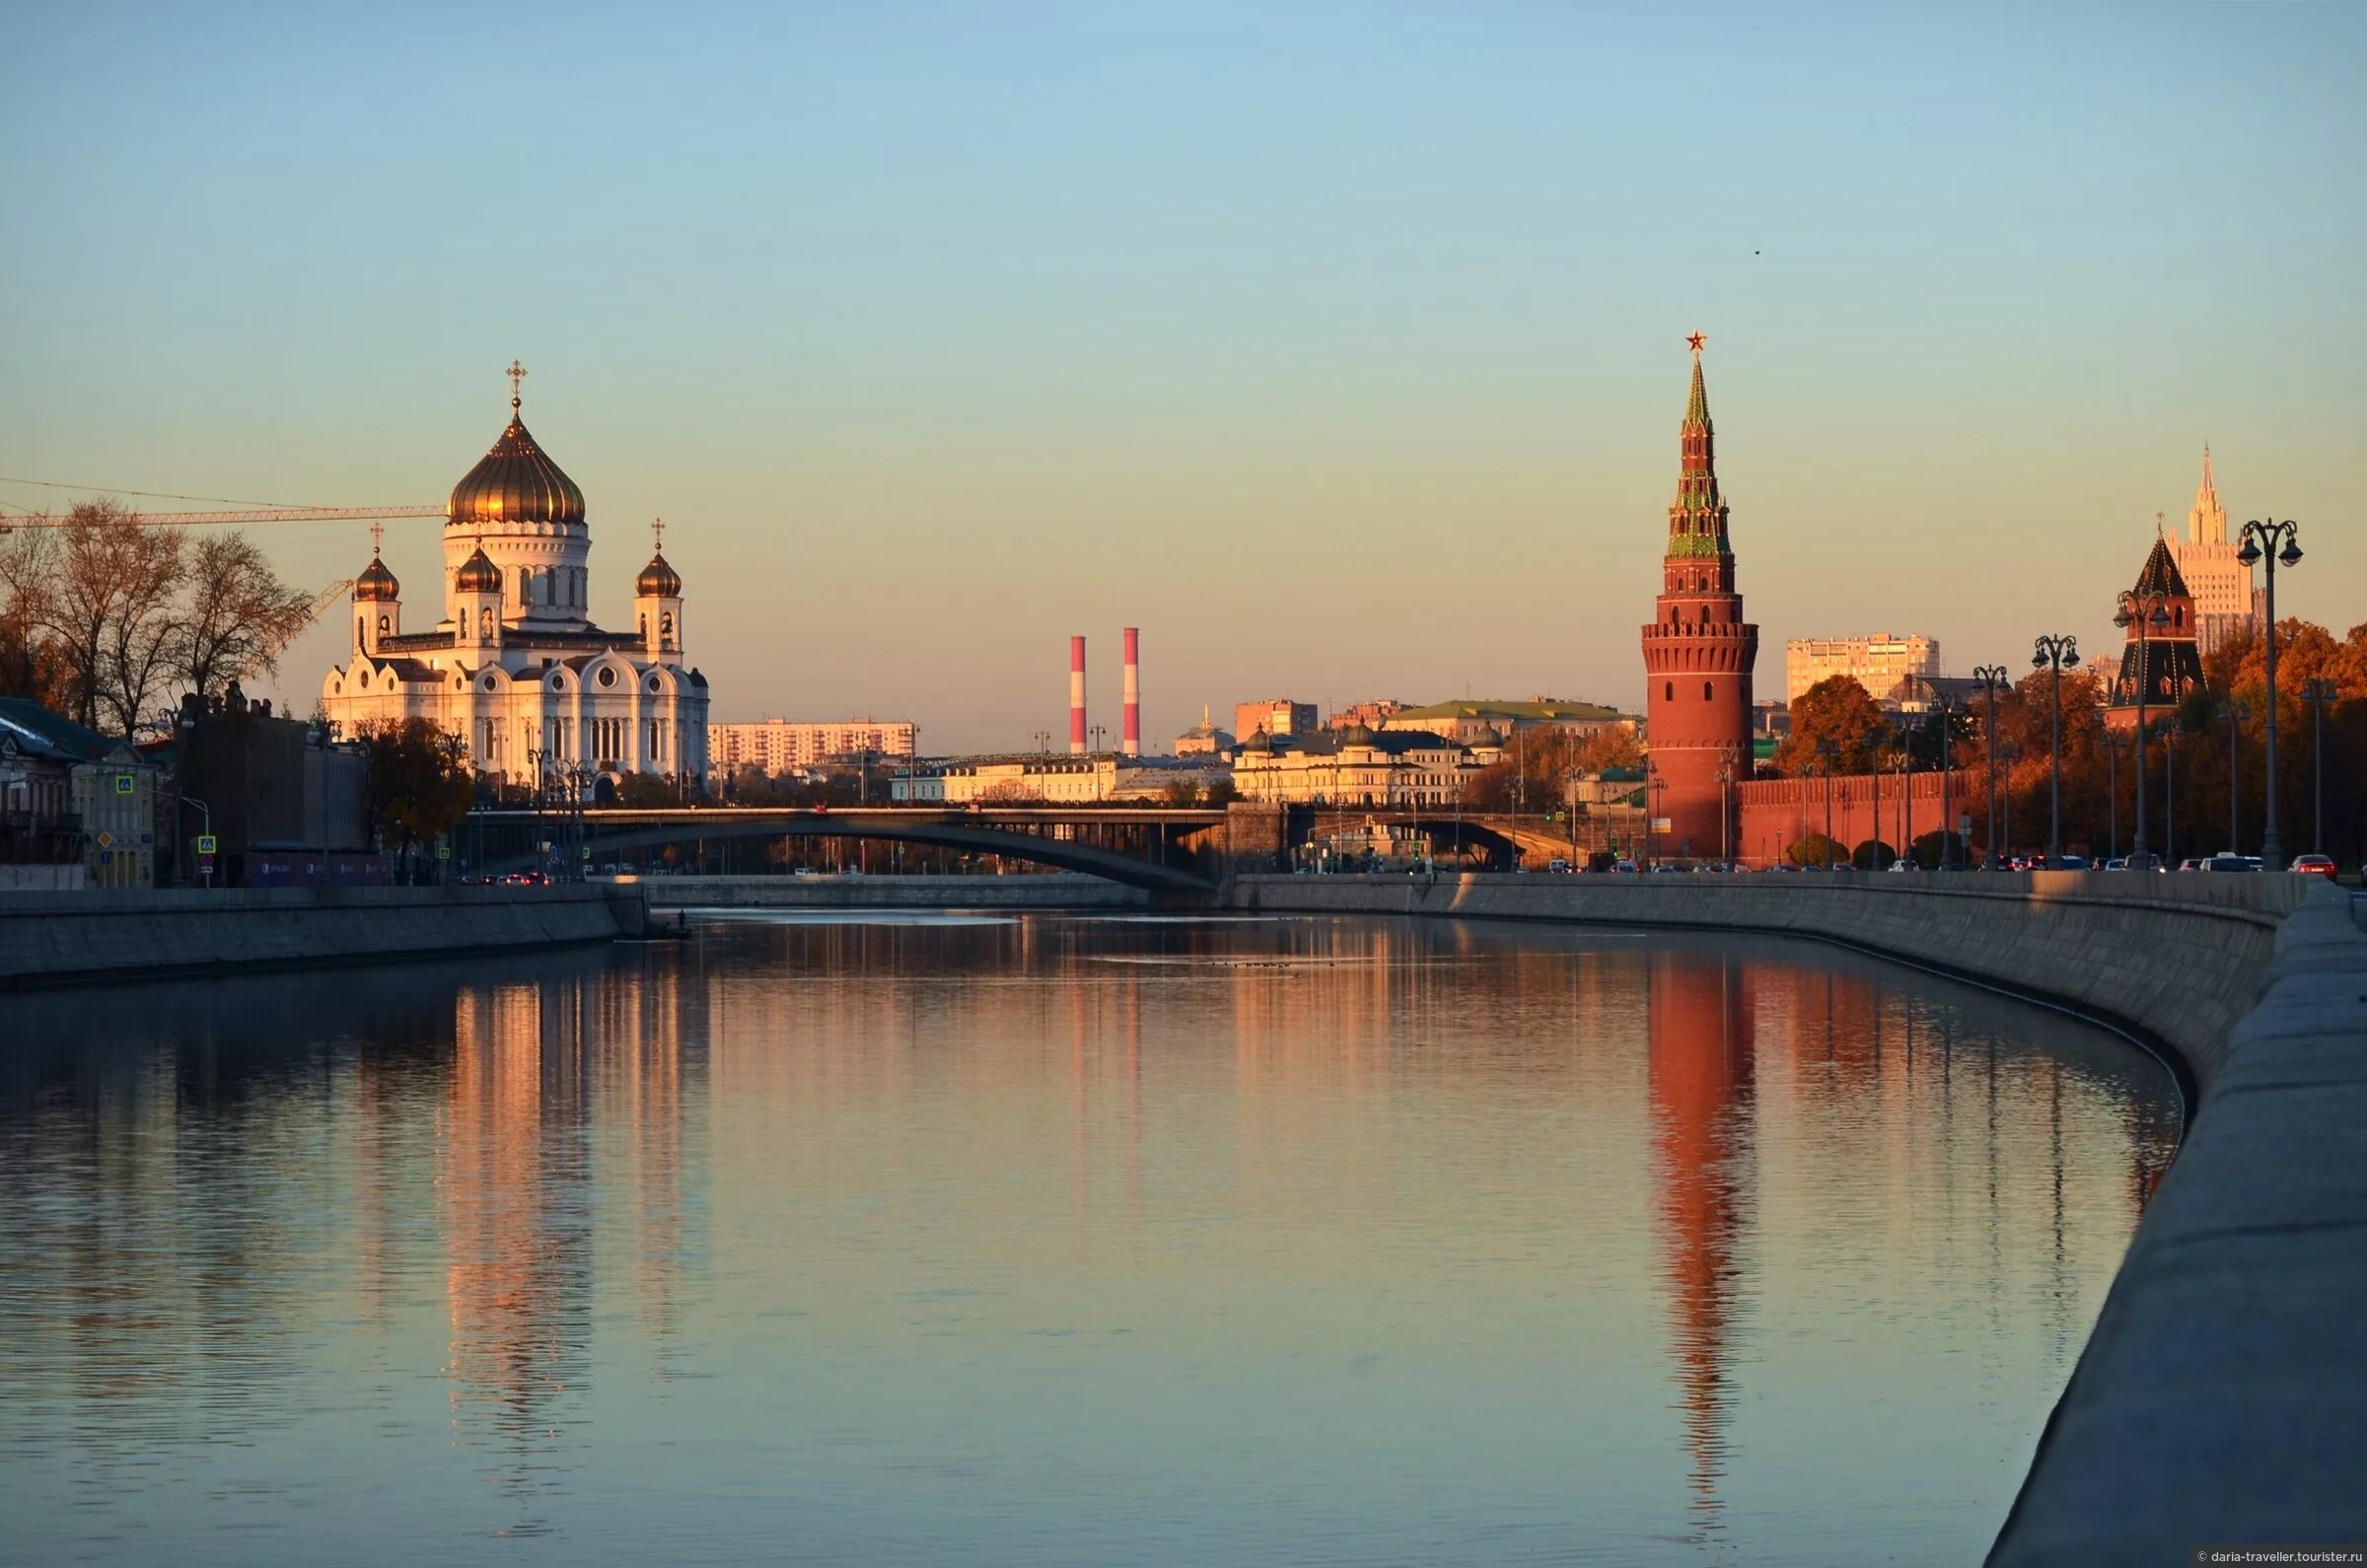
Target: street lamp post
(2056,653)
(1828,753)
(2235,713)
(1653,785)
(2113,744)
(2009,754)
(2148,614)
(2262,541)
(2318,694)
(1991,679)
(2170,733)
(1725,813)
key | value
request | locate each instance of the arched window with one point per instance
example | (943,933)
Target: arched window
(1667,692)
(1706,691)
(484,624)
(384,626)
(665,626)
(357,631)
(645,628)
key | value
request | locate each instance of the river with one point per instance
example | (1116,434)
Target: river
(1053,1240)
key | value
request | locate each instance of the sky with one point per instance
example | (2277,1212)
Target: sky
(1337,347)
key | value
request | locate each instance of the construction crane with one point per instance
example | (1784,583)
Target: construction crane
(328,597)
(267,513)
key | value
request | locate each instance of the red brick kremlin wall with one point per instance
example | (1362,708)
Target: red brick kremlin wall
(1770,809)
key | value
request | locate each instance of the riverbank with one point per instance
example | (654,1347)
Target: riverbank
(70,938)
(1044,890)
(2213,1401)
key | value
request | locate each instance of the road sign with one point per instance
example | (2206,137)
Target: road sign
(107,840)
(1660,824)
(122,783)
(443,851)
(586,851)
(206,843)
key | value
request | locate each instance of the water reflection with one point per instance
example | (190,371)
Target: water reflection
(1047,1241)
(1699,1033)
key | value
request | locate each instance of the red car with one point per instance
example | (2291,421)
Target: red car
(2314,865)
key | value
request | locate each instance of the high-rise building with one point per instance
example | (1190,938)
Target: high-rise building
(2226,603)
(1885,663)
(778,744)
(1698,655)
(1279,717)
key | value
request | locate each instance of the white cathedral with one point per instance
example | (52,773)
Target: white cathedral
(515,667)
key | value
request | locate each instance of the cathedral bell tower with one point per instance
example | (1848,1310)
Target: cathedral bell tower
(1698,654)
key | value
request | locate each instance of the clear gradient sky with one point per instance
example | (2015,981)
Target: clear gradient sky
(1338,346)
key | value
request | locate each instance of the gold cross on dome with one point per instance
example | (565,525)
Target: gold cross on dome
(517,374)
(1696,340)
(378,532)
(657,532)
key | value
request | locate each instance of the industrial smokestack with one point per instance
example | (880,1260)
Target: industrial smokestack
(1076,696)
(1133,693)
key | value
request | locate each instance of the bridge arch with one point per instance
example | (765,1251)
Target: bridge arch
(938,832)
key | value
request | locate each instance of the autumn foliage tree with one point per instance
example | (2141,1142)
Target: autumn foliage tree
(1839,710)
(106,618)
(419,784)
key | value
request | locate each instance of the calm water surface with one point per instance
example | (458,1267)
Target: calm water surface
(1047,1241)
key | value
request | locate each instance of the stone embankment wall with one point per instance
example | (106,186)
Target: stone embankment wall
(2216,1402)
(1049,891)
(50,938)
(2177,959)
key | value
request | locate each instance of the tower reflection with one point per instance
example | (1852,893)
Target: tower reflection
(1699,1044)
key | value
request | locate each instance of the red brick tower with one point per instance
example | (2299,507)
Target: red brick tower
(1699,652)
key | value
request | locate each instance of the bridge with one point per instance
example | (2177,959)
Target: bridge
(1164,849)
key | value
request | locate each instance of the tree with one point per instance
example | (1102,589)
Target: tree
(1180,792)
(648,790)
(30,662)
(236,617)
(1221,793)
(1835,709)
(419,783)
(97,589)
(1817,850)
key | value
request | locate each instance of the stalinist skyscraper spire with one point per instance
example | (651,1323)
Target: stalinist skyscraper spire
(2206,524)
(2225,601)
(1698,653)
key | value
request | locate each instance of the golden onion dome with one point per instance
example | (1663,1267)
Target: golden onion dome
(477,575)
(515,482)
(375,585)
(658,580)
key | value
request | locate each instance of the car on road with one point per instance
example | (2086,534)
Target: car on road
(2228,863)
(2314,865)
(526,879)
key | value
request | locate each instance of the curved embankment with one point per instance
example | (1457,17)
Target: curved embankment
(2215,1402)
(60,938)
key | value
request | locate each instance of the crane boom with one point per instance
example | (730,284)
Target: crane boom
(267,514)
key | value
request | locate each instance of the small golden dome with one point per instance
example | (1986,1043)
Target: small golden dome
(477,575)
(515,482)
(375,585)
(658,580)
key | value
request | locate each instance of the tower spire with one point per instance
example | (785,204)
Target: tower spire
(1697,516)
(2208,523)
(517,374)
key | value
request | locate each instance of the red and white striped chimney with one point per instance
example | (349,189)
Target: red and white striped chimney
(1133,693)
(1076,695)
